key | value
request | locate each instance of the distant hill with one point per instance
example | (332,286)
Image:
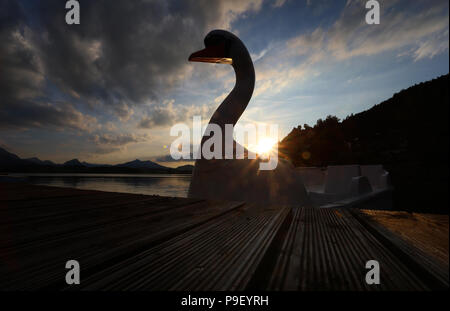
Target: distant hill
(408,134)
(142,165)
(8,159)
(10,162)
(40,162)
(73,162)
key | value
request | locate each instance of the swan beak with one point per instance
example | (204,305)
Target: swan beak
(212,54)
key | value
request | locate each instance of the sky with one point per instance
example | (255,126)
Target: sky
(109,89)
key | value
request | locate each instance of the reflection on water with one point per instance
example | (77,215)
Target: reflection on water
(174,185)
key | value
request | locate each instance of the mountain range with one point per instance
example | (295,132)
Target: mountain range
(10,162)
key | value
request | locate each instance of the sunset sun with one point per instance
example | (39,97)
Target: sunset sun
(265,145)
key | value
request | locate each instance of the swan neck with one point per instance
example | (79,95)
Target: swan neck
(231,109)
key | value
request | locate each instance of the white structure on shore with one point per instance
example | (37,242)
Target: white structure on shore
(343,182)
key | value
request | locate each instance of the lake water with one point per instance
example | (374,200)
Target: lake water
(174,185)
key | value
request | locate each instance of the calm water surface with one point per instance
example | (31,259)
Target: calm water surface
(174,185)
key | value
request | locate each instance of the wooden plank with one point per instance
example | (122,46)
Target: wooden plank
(23,192)
(95,241)
(327,249)
(219,255)
(48,228)
(429,233)
(432,272)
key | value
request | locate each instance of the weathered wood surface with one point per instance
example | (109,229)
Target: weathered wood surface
(138,242)
(428,232)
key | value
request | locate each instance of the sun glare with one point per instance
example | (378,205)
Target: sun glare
(265,145)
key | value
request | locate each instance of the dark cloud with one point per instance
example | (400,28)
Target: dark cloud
(123,53)
(110,142)
(22,114)
(117,140)
(168,114)
(160,116)
(23,101)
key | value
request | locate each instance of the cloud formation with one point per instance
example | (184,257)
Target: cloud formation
(418,30)
(403,26)
(118,140)
(112,142)
(119,57)
(167,114)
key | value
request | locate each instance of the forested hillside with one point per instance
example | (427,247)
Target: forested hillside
(408,134)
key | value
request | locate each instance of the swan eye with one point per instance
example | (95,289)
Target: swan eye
(214,40)
(217,40)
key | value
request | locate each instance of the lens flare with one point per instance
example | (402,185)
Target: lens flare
(265,146)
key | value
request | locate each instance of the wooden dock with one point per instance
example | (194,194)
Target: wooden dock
(139,242)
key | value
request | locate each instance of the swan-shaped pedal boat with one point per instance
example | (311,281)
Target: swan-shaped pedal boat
(239,179)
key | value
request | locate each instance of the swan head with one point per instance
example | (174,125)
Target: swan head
(221,47)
